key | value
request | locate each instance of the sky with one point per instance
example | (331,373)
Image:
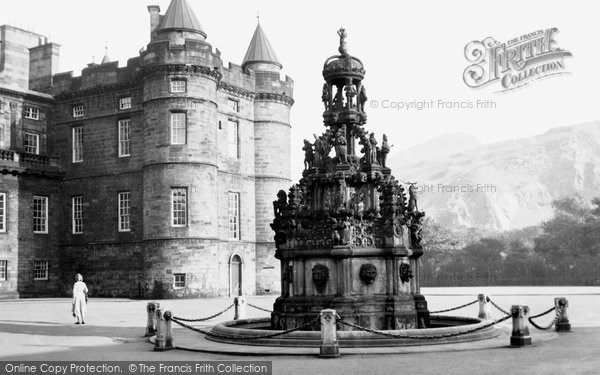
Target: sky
(412,51)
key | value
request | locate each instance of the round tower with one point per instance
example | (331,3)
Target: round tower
(180,213)
(272,103)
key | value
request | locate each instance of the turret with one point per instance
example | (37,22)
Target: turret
(272,103)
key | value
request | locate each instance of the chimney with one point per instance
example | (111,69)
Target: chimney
(154,11)
(43,64)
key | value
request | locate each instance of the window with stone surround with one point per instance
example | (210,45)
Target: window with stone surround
(3,270)
(125,103)
(77,214)
(2,212)
(124,138)
(233,139)
(40,214)
(32,113)
(32,143)
(124,211)
(177,85)
(179,280)
(234,216)
(77,144)
(40,270)
(179,207)
(234,105)
(178,128)
(78,110)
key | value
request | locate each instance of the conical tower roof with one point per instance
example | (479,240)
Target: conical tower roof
(180,17)
(260,50)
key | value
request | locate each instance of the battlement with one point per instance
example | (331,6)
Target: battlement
(181,51)
(96,75)
(270,82)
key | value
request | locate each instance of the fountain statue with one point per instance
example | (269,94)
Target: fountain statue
(348,237)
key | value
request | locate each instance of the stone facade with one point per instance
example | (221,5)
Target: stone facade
(235,143)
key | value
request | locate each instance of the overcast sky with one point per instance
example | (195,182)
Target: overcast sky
(412,50)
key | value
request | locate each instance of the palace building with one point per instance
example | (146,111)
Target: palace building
(153,180)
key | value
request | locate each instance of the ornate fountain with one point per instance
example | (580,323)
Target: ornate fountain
(348,237)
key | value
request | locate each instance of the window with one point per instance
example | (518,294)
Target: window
(124,138)
(40,270)
(78,144)
(77,214)
(178,86)
(233,139)
(2,212)
(32,143)
(179,280)
(179,207)
(3,270)
(234,105)
(178,128)
(234,216)
(125,103)
(78,111)
(32,113)
(40,214)
(124,209)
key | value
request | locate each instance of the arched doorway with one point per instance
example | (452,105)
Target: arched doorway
(235,272)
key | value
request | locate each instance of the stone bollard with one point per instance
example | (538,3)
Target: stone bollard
(329,343)
(484,307)
(151,323)
(520,332)
(240,308)
(164,335)
(562,319)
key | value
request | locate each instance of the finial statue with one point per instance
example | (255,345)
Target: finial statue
(385,150)
(343,49)
(340,145)
(308,154)
(362,98)
(372,148)
(350,90)
(325,96)
(412,197)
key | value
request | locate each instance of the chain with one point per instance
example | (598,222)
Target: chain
(498,307)
(454,308)
(552,323)
(244,338)
(259,308)
(447,335)
(544,313)
(203,319)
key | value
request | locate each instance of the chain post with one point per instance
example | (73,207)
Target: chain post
(484,307)
(520,332)
(240,308)
(164,339)
(562,318)
(151,322)
(329,344)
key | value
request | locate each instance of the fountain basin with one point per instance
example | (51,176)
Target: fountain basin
(241,331)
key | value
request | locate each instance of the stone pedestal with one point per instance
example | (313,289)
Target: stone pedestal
(151,308)
(370,287)
(329,344)
(240,306)
(484,307)
(520,332)
(562,318)
(164,334)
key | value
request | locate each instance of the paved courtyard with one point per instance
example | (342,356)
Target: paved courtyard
(43,329)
